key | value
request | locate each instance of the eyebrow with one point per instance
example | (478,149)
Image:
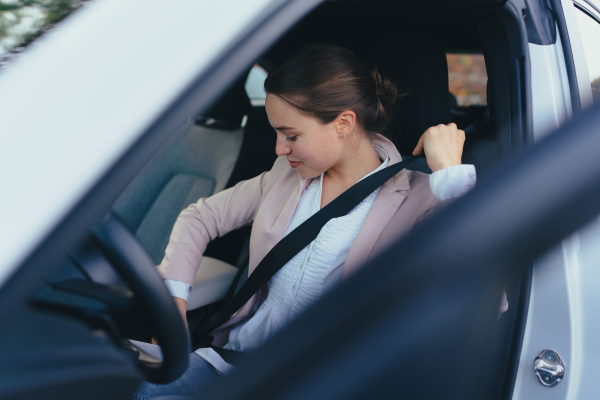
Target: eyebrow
(283,128)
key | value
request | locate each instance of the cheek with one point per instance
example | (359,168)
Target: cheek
(328,147)
(322,153)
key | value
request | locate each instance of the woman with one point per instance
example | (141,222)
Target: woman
(327,110)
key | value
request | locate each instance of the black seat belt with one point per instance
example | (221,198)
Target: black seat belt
(291,245)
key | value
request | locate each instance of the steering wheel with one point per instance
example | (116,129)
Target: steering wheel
(134,264)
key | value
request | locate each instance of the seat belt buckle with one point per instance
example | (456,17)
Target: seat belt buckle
(206,342)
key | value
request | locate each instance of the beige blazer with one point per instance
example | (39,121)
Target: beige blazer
(268,203)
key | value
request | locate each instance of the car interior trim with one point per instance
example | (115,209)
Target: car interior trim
(559,15)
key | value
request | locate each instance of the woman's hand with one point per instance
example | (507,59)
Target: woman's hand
(443,145)
(182,307)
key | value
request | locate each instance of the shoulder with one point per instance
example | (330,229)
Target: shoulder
(412,205)
(413,184)
(420,193)
(419,184)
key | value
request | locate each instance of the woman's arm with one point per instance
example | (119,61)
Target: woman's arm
(443,146)
(205,220)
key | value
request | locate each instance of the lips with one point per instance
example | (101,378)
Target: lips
(294,164)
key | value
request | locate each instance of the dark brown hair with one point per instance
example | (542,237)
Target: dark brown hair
(323,80)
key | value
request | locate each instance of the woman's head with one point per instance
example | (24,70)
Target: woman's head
(321,96)
(323,80)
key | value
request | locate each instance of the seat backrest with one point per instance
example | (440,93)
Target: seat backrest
(257,154)
(421,71)
(197,162)
(481,146)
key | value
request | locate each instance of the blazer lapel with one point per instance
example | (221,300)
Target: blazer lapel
(383,209)
(277,228)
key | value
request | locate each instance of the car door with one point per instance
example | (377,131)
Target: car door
(560,314)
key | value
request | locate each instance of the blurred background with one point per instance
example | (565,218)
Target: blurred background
(467,78)
(22,21)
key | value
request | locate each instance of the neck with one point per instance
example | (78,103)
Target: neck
(359,160)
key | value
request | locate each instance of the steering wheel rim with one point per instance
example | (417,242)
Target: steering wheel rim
(133,262)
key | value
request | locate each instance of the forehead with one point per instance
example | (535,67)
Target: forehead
(282,113)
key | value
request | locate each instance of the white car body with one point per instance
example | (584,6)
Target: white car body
(562,313)
(56,141)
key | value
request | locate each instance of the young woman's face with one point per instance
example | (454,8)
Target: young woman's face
(310,146)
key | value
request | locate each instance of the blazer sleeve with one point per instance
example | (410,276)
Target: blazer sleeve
(205,220)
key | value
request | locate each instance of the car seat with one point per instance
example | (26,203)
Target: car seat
(198,161)
(481,146)
(420,70)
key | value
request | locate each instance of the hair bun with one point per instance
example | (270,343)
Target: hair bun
(386,90)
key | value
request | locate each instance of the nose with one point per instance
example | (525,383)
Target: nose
(282,147)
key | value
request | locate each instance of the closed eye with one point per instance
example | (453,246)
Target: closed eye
(291,138)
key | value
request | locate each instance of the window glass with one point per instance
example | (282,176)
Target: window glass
(590,35)
(255,85)
(468,78)
(22,21)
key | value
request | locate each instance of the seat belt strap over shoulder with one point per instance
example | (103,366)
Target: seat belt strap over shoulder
(295,241)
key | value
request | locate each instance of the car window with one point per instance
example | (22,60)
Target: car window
(590,35)
(23,21)
(255,85)
(467,77)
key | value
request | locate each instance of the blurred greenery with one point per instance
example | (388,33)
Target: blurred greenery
(41,15)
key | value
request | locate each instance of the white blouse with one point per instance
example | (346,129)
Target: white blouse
(315,269)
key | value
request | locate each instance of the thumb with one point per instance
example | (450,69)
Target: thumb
(419,149)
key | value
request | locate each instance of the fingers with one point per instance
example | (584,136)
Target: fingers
(454,130)
(443,146)
(432,131)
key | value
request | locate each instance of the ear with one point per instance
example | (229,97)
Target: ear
(345,122)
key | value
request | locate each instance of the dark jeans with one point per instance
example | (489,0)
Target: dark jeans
(198,377)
